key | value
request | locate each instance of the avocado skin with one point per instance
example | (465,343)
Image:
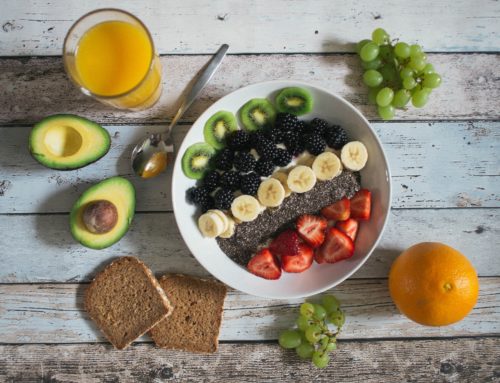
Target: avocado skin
(54,164)
(107,189)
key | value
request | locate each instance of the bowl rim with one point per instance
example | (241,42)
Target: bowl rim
(288,83)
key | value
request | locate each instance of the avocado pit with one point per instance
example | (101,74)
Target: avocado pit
(100,216)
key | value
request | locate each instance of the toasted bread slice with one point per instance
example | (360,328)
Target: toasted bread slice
(197,315)
(125,300)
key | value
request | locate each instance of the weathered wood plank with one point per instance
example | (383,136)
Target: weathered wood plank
(30,27)
(50,313)
(440,165)
(41,249)
(35,87)
(451,360)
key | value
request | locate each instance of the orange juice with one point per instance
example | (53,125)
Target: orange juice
(115,61)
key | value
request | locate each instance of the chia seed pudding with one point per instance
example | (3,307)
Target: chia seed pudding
(250,236)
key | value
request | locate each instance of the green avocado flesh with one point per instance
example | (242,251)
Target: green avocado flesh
(66,141)
(119,192)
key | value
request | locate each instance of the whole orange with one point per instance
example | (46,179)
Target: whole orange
(433,284)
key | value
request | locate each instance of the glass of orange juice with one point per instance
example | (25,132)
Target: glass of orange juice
(110,56)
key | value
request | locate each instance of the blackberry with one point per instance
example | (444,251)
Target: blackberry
(286,121)
(197,195)
(224,159)
(318,126)
(275,135)
(266,149)
(207,204)
(223,199)
(294,143)
(315,144)
(257,138)
(238,140)
(335,137)
(264,167)
(244,162)
(211,180)
(282,157)
(250,183)
(230,180)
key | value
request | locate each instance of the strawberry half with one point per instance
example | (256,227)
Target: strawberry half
(264,265)
(338,211)
(349,227)
(337,246)
(300,262)
(361,204)
(287,243)
(311,229)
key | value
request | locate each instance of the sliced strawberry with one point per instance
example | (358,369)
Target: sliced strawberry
(338,211)
(361,204)
(311,229)
(349,227)
(287,243)
(265,265)
(337,246)
(300,262)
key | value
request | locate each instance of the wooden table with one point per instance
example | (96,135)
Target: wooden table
(444,162)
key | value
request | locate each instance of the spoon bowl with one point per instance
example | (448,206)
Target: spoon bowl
(152,155)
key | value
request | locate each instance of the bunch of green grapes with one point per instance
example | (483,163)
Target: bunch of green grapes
(315,337)
(395,73)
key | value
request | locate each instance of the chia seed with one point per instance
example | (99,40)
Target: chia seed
(250,236)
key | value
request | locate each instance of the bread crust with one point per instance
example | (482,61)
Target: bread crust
(158,333)
(110,268)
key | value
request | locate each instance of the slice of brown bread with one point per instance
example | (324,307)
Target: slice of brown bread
(125,300)
(196,319)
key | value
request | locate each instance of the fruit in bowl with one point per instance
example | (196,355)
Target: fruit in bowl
(277,177)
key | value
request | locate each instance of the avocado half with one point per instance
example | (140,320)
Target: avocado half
(116,190)
(66,141)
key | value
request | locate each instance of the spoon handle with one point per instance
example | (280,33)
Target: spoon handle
(200,83)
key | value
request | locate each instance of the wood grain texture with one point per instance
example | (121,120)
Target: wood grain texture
(41,249)
(453,360)
(433,165)
(33,27)
(51,313)
(33,88)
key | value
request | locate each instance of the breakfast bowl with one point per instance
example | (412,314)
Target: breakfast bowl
(375,176)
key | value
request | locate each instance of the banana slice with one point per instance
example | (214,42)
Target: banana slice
(305,159)
(301,179)
(271,193)
(354,155)
(282,177)
(245,208)
(231,227)
(211,225)
(223,216)
(327,166)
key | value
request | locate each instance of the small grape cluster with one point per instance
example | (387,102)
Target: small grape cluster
(314,337)
(395,73)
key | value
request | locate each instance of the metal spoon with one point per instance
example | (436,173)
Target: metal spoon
(151,156)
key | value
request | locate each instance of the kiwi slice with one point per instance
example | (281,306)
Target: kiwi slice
(218,126)
(197,160)
(256,114)
(294,100)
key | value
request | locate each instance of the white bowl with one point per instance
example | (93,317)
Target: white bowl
(375,177)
